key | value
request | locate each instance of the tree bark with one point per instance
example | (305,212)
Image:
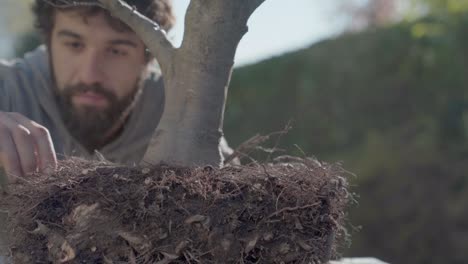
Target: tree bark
(196,77)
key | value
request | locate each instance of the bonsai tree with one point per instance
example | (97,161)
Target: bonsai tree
(288,211)
(196,76)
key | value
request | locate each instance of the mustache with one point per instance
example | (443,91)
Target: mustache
(95,88)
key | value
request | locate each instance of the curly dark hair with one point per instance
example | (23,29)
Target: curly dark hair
(159,11)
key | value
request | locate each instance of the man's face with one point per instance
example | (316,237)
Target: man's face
(97,69)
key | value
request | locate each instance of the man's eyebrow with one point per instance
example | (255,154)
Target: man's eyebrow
(68,33)
(123,42)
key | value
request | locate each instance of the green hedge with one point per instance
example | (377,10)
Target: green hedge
(392,104)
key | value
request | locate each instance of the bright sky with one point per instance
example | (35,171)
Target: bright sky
(278,26)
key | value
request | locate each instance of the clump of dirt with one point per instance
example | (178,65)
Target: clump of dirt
(284,212)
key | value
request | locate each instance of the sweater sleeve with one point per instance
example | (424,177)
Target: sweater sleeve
(18,88)
(5,94)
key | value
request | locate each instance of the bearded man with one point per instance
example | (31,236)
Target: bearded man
(92,86)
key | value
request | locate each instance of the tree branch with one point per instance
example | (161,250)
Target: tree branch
(149,31)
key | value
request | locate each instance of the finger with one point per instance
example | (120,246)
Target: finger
(9,158)
(24,144)
(47,159)
(25,149)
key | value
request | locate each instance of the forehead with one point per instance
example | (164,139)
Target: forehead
(96,22)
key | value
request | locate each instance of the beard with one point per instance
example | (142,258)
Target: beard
(89,124)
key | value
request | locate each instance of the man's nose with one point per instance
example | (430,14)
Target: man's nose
(91,71)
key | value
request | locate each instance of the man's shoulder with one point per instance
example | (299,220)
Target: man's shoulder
(26,65)
(23,81)
(7,73)
(6,67)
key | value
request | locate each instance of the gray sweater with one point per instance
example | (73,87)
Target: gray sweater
(26,88)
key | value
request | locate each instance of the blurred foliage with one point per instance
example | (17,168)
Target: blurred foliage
(26,42)
(15,15)
(393,105)
(450,6)
(446,7)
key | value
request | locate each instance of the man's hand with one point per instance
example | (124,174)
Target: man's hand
(25,147)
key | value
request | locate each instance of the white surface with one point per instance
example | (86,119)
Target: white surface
(3,260)
(358,261)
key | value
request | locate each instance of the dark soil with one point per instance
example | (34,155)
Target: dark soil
(102,213)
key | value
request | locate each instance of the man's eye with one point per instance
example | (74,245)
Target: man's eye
(117,52)
(74,45)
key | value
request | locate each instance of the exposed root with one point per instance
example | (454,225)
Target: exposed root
(103,213)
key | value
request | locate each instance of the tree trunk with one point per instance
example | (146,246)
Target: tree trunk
(196,77)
